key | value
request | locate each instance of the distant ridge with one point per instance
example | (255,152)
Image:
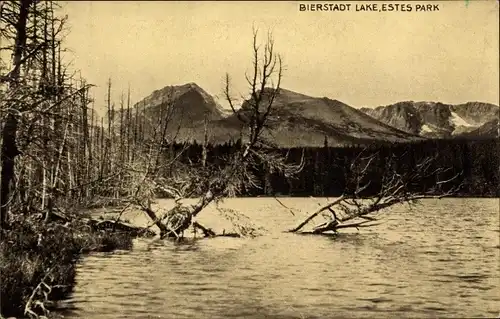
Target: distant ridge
(300,120)
(438,120)
(296,120)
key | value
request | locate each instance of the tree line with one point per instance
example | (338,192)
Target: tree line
(326,169)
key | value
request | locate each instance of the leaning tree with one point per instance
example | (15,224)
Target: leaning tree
(375,183)
(235,171)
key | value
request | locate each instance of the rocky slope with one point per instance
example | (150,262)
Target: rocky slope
(487,130)
(301,120)
(181,108)
(185,104)
(431,119)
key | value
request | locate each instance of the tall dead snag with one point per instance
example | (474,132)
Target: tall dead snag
(392,188)
(9,132)
(216,181)
(142,175)
(256,152)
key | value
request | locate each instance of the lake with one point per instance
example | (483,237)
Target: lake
(439,259)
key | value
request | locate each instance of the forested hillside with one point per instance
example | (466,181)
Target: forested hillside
(326,169)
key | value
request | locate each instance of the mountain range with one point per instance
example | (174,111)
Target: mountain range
(301,120)
(439,120)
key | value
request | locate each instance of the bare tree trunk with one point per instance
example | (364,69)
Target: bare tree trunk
(205,143)
(108,154)
(122,130)
(129,123)
(136,124)
(155,219)
(44,185)
(92,147)
(102,150)
(319,211)
(395,188)
(9,144)
(87,154)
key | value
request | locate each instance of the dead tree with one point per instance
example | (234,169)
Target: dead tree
(217,182)
(9,144)
(43,159)
(395,187)
(264,83)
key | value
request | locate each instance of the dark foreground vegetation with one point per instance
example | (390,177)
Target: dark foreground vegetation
(46,170)
(38,261)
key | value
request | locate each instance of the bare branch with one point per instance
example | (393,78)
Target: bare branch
(395,189)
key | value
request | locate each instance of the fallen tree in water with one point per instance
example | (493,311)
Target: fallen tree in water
(178,219)
(353,210)
(232,173)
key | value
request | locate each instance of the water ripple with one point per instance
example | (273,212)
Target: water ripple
(420,263)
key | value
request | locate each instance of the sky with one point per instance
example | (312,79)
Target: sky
(364,59)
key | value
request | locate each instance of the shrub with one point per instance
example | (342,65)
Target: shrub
(38,262)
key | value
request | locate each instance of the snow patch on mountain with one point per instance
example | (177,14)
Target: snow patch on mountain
(456,121)
(426,129)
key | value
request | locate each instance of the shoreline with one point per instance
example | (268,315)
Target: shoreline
(39,260)
(31,247)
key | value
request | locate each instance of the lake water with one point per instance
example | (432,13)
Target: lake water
(440,259)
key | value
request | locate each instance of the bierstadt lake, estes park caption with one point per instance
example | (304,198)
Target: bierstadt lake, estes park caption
(373,7)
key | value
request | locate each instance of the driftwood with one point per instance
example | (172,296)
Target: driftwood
(154,218)
(179,218)
(114,226)
(395,190)
(319,211)
(207,232)
(216,182)
(57,216)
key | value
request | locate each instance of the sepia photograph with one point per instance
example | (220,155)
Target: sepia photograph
(249,159)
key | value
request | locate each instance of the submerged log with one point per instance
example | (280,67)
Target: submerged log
(328,226)
(112,226)
(233,235)
(319,211)
(179,218)
(176,221)
(206,231)
(155,219)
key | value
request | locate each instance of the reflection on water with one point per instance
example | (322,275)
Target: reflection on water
(438,260)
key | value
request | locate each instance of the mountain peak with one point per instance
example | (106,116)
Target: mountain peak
(190,103)
(174,92)
(436,119)
(190,86)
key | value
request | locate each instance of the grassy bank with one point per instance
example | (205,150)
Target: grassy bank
(38,261)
